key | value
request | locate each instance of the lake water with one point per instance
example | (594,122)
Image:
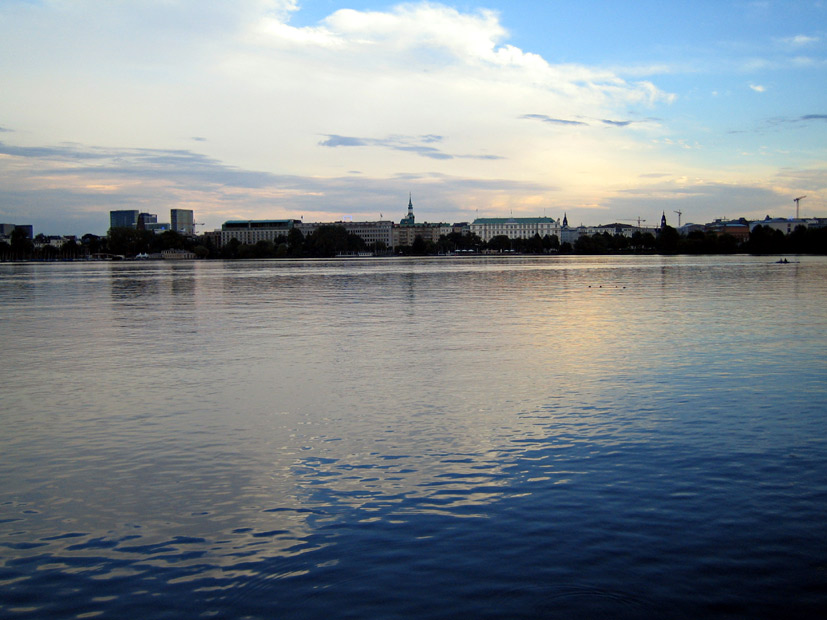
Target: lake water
(573,437)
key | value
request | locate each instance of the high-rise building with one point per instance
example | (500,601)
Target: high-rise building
(123,219)
(182,221)
(145,220)
(7,229)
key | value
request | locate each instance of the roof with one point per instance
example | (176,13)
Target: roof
(514,220)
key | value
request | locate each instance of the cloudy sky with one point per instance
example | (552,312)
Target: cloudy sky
(323,109)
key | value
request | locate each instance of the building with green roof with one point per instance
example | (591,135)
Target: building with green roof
(486,228)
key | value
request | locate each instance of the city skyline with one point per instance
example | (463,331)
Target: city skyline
(327,109)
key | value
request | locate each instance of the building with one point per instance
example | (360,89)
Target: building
(406,232)
(736,228)
(409,219)
(250,232)
(182,221)
(371,233)
(570,234)
(785,225)
(7,229)
(145,220)
(406,235)
(123,219)
(486,228)
(177,255)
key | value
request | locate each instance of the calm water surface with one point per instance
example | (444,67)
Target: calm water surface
(500,438)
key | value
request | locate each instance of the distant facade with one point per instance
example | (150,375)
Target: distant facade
(7,229)
(380,231)
(145,220)
(177,255)
(406,232)
(182,221)
(250,232)
(123,219)
(406,235)
(486,228)
(785,225)
(736,228)
(569,234)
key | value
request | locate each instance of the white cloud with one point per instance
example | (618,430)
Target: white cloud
(797,41)
(420,94)
(757,88)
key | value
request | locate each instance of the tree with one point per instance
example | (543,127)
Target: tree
(230,249)
(551,243)
(295,242)
(418,246)
(170,240)
(129,241)
(93,243)
(499,243)
(726,244)
(594,244)
(534,245)
(70,250)
(765,240)
(668,240)
(21,246)
(48,252)
(329,240)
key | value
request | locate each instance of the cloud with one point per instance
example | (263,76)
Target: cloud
(553,121)
(90,181)
(815,179)
(401,143)
(700,201)
(757,88)
(251,108)
(806,118)
(799,40)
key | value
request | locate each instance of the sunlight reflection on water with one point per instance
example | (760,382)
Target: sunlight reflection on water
(502,437)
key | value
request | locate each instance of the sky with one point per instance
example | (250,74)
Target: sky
(324,110)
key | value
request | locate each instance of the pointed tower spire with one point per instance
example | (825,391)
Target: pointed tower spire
(565,220)
(663,220)
(409,219)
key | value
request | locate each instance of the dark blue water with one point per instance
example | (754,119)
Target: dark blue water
(503,438)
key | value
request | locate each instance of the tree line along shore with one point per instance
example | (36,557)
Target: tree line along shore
(331,241)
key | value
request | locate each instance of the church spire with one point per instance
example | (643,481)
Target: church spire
(408,220)
(565,220)
(663,220)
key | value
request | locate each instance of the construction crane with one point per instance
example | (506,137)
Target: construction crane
(796,201)
(638,220)
(679,217)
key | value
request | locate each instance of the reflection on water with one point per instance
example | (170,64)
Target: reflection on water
(628,436)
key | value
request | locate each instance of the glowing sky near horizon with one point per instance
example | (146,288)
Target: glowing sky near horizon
(603,110)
